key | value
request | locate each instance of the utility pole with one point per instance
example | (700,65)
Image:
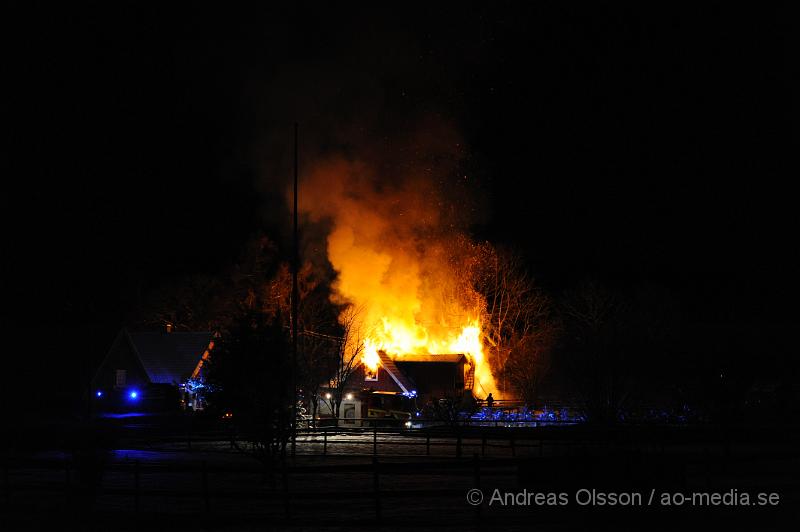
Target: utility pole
(295,297)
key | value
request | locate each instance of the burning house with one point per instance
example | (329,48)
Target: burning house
(398,386)
(409,281)
(148,371)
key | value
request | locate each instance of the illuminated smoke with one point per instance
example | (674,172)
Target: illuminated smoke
(393,241)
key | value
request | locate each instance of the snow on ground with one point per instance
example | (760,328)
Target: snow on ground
(213,482)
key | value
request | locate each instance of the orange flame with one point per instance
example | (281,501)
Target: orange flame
(394,338)
(394,260)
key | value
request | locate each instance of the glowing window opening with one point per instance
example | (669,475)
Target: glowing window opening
(370,375)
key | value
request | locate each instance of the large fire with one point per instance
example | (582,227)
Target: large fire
(396,264)
(395,339)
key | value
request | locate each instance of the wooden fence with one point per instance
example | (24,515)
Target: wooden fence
(426,471)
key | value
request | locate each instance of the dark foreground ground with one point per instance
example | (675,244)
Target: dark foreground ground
(159,474)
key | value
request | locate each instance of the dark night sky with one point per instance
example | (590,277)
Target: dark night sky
(614,143)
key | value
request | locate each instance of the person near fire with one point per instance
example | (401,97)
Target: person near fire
(489,401)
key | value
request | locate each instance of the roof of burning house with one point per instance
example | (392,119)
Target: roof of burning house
(170,357)
(397,376)
(453,358)
(391,378)
(385,382)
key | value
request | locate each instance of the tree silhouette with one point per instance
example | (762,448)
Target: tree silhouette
(248,378)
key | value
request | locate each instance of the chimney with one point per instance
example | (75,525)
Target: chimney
(169,327)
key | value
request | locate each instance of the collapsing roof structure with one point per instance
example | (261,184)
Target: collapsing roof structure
(412,374)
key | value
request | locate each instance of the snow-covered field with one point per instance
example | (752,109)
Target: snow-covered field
(331,482)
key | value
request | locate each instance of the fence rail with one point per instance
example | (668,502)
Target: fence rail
(198,482)
(375,472)
(378,486)
(456,439)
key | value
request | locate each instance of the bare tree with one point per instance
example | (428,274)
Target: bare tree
(528,362)
(186,303)
(518,325)
(318,328)
(247,378)
(348,358)
(317,354)
(597,347)
(203,302)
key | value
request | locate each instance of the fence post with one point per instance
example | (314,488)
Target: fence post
(67,482)
(428,442)
(286,490)
(136,486)
(375,440)
(477,478)
(6,483)
(189,433)
(206,500)
(324,441)
(376,484)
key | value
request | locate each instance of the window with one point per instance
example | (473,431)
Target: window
(370,375)
(122,378)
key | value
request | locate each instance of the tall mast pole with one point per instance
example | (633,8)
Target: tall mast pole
(295,298)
